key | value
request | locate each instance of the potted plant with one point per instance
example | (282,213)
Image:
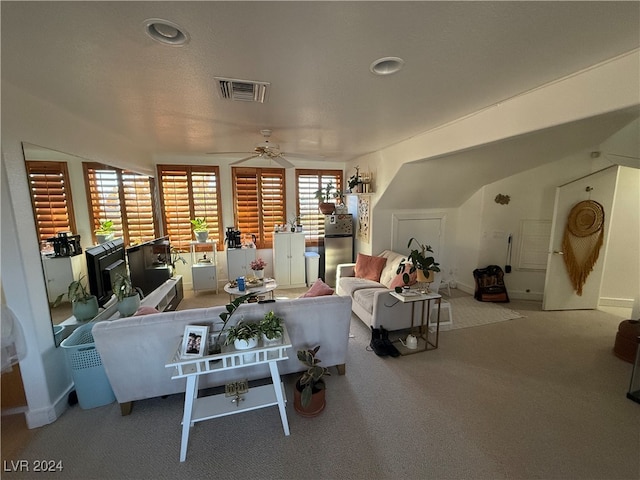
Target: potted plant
(84,306)
(309,393)
(258,267)
(128,297)
(105,232)
(271,328)
(215,345)
(420,262)
(324,197)
(355,181)
(200,229)
(244,336)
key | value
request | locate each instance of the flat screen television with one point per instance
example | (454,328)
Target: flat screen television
(149,264)
(104,262)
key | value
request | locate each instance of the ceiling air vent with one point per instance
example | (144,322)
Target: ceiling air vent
(242,90)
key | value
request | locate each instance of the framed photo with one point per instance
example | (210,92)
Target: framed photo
(194,341)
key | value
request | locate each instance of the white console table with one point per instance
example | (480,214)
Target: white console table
(213,406)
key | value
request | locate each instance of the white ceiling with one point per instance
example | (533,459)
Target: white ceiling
(94,60)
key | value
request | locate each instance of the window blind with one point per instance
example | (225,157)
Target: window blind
(187,192)
(259,202)
(307,183)
(51,198)
(125,198)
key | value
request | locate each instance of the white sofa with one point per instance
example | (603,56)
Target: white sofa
(371,300)
(135,350)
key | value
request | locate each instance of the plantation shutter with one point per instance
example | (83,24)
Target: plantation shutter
(51,198)
(123,197)
(259,202)
(308,182)
(189,192)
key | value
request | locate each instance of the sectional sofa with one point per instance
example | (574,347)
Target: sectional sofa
(135,350)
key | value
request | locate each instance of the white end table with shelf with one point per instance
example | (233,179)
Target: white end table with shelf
(204,260)
(197,409)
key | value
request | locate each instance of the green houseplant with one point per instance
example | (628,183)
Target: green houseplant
(105,232)
(215,345)
(271,328)
(324,197)
(127,296)
(309,392)
(200,230)
(84,306)
(420,261)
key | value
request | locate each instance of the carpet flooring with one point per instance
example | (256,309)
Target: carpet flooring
(537,397)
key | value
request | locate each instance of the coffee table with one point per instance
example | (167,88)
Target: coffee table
(268,287)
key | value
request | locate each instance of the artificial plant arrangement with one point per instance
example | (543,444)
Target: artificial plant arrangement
(271,326)
(420,262)
(258,264)
(311,384)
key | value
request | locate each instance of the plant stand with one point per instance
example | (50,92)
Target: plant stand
(213,406)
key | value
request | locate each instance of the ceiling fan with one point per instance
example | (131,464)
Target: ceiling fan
(267,150)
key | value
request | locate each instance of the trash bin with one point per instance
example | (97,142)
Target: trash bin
(90,379)
(312,263)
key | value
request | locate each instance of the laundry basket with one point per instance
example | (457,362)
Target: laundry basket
(92,385)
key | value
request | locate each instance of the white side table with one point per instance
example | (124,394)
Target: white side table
(213,406)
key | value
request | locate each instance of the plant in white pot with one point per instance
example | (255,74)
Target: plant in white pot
(128,297)
(271,328)
(200,229)
(244,336)
(105,232)
(324,196)
(257,266)
(84,306)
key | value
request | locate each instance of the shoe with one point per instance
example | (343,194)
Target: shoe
(389,347)
(377,344)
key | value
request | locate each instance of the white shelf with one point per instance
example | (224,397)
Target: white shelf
(214,406)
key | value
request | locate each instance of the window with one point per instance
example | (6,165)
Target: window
(307,183)
(188,192)
(125,198)
(258,195)
(51,198)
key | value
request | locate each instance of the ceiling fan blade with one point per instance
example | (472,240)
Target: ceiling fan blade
(242,160)
(283,161)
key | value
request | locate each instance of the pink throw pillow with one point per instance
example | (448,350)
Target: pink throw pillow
(318,289)
(369,267)
(144,310)
(398,281)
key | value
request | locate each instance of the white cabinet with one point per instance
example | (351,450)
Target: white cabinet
(288,259)
(239,262)
(204,266)
(59,272)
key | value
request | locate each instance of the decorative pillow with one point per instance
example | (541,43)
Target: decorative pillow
(369,267)
(318,289)
(398,280)
(145,310)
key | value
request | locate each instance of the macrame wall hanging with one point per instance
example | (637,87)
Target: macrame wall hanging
(583,238)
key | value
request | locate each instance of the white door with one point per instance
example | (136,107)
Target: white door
(558,290)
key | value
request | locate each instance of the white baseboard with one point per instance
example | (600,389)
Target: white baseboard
(516,295)
(45,416)
(616,302)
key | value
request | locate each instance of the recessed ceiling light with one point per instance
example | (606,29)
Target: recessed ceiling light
(166,32)
(386,65)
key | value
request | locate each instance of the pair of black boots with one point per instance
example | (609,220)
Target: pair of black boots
(381,344)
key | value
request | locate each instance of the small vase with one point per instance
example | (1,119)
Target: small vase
(129,305)
(246,345)
(424,277)
(201,235)
(85,311)
(259,273)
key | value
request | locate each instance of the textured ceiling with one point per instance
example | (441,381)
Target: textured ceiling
(94,60)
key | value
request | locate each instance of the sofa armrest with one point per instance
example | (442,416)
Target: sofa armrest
(345,270)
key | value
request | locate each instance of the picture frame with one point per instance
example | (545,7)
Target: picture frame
(194,341)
